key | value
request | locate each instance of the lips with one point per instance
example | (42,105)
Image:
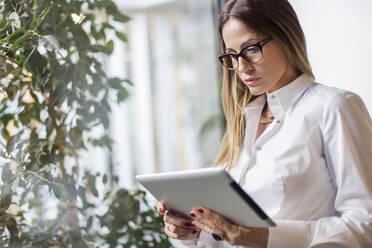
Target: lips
(251,81)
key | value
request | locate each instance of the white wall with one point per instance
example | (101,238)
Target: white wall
(339,38)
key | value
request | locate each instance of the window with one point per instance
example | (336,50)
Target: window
(172,120)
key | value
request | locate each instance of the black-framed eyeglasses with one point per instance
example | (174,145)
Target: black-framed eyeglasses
(251,53)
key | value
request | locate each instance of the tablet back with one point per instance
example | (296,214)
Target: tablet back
(212,188)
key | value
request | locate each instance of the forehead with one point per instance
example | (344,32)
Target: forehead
(235,33)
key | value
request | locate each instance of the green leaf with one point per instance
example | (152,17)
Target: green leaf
(60,191)
(107,195)
(89,222)
(2,109)
(98,35)
(115,83)
(5,202)
(28,57)
(21,39)
(96,87)
(10,37)
(104,179)
(122,95)
(120,17)
(81,194)
(37,65)
(128,82)
(115,178)
(92,185)
(110,46)
(8,187)
(38,19)
(6,174)
(7,117)
(80,37)
(101,49)
(121,36)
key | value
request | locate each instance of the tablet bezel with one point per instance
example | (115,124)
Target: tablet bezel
(213,188)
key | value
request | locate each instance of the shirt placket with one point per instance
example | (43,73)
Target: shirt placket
(269,132)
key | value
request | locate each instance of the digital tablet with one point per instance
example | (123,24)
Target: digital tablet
(212,188)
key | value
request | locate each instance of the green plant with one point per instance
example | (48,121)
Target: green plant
(54,95)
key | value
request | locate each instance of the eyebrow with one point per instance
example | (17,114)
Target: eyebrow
(246,43)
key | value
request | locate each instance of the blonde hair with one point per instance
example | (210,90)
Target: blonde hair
(275,18)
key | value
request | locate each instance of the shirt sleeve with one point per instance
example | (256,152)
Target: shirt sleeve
(347,137)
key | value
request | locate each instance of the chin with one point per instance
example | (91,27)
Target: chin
(255,91)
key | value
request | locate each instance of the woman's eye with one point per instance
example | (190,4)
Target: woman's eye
(253,49)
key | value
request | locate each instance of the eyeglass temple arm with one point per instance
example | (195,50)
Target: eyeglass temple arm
(265,41)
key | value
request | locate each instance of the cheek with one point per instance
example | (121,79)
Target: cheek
(273,65)
(241,75)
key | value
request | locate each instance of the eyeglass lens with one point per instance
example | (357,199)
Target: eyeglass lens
(251,54)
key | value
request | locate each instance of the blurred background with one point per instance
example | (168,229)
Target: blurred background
(173,118)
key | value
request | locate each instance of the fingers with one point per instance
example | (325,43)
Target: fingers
(211,222)
(182,233)
(203,227)
(179,228)
(160,206)
(210,218)
(205,216)
(174,219)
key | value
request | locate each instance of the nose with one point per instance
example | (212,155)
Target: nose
(243,65)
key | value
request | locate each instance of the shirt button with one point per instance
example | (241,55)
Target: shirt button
(258,148)
(278,121)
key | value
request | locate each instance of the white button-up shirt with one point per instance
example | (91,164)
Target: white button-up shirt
(311,169)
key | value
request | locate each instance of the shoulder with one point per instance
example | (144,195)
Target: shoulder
(329,106)
(324,92)
(334,107)
(331,99)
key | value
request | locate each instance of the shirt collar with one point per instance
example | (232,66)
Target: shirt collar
(280,100)
(290,93)
(258,102)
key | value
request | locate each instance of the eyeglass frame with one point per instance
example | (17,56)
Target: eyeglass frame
(259,44)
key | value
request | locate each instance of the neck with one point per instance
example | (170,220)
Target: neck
(266,112)
(266,115)
(288,76)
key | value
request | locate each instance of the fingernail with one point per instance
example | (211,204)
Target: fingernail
(192,214)
(200,210)
(188,224)
(161,210)
(194,231)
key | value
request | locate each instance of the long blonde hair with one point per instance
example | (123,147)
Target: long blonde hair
(275,18)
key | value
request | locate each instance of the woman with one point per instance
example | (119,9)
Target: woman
(302,150)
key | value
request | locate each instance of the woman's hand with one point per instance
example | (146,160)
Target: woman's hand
(176,226)
(211,222)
